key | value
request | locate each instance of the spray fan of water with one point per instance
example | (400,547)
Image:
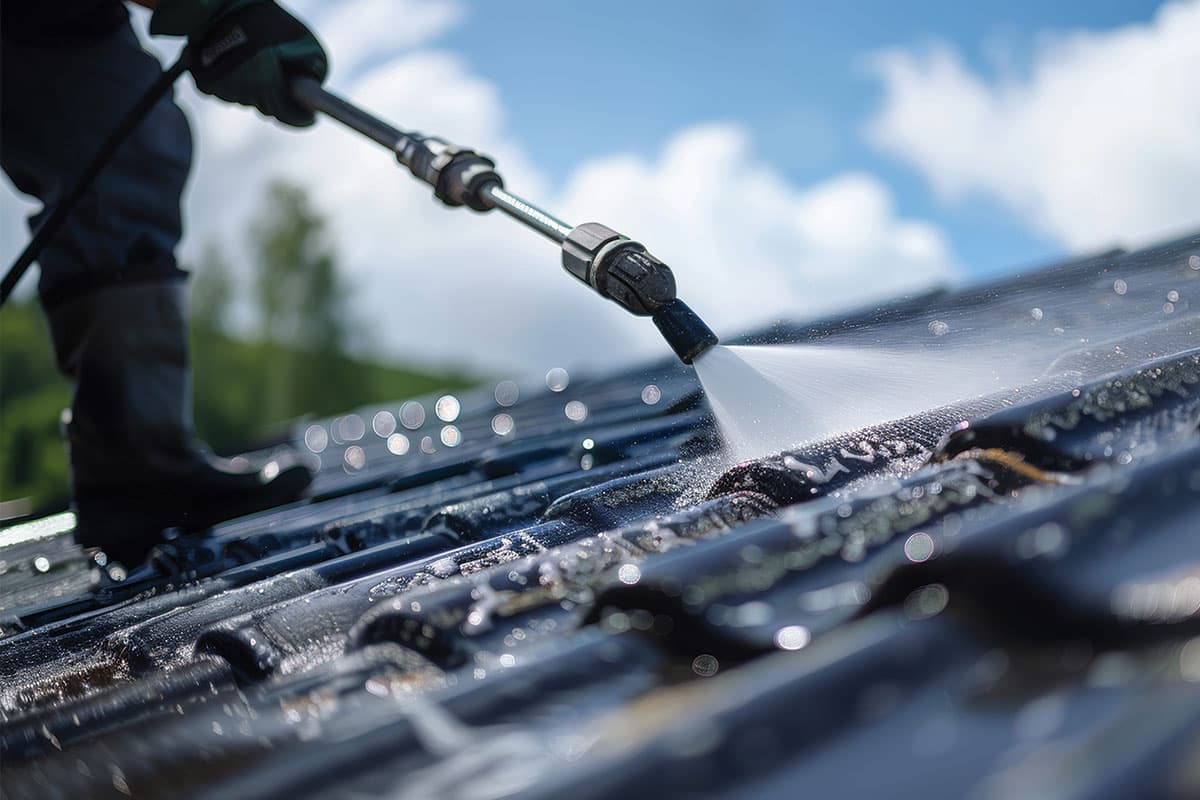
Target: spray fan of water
(767,398)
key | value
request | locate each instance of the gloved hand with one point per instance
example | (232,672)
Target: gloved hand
(245,51)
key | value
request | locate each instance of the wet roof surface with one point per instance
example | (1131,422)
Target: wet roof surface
(566,592)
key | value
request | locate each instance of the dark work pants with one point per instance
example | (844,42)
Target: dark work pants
(57,103)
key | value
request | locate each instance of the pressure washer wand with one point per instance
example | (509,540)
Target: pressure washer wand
(615,266)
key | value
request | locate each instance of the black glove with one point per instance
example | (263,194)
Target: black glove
(246,51)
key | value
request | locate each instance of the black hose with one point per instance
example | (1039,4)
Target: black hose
(69,200)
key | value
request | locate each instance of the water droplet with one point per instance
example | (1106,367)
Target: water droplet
(576,411)
(118,780)
(507,393)
(651,394)
(1050,539)
(927,601)
(629,574)
(1036,313)
(557,379)
(617,622)
(939,328)
(918,547)
(589,444)
(427,446)
(384,424)
(451,436)
(41,564)
(316,439)
(412,415)
(355,458)
(1194,261)
(502,424)
(705,665)
(447,408)
(1168,308)
(1120,286)
(397,444)
(1173,296)
(792,637)
(349,428)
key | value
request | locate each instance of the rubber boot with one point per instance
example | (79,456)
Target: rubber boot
(136,468)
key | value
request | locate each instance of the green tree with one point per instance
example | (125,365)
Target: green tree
(301,301)
(211,291)
(303,362)
(225,410)
(33,459)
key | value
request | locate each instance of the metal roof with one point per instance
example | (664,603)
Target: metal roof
(572,594)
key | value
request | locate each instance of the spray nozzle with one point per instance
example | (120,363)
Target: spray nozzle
(687,334)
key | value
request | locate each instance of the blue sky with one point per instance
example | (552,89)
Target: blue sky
(793,72)
(787,159)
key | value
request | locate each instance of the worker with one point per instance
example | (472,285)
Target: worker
(110,285)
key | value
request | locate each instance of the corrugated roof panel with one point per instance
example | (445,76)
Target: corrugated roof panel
(574,593)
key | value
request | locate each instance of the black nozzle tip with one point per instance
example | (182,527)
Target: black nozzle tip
(687,334)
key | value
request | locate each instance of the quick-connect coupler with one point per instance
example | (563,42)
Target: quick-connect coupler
(618,268)
(625,272)
(458,175)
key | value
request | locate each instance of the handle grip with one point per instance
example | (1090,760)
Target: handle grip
(312,95)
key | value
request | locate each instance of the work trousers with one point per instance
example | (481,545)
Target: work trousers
(57,104)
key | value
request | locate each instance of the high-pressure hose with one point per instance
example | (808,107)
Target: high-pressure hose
(615,266)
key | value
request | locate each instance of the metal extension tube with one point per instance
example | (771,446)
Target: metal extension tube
(528,214)
(615,266)
(406,144)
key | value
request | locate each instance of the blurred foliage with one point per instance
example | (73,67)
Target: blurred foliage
(246,389)
(33,458)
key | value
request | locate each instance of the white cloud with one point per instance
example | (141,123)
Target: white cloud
(364,31)
(1095,143)
(747,246)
